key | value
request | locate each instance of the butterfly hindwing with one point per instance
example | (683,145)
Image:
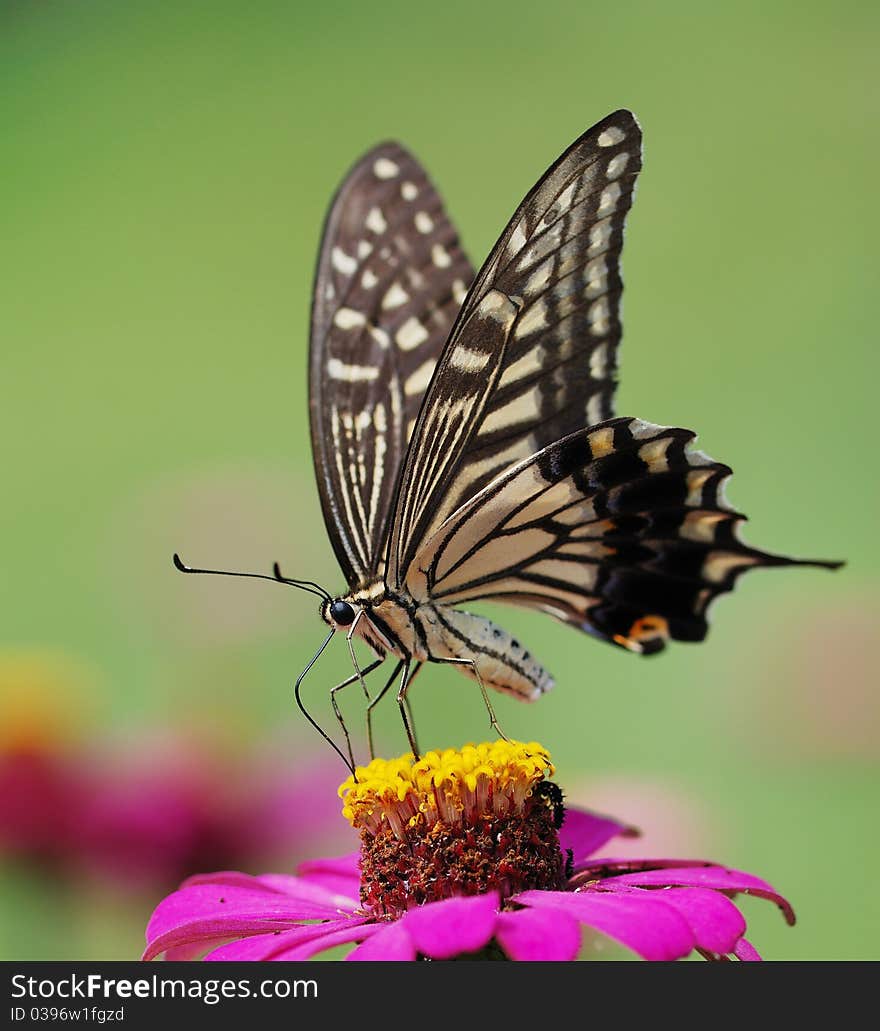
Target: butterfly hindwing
(621,529)
(390,280)
(557,264)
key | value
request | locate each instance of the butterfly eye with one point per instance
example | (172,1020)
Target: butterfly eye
(342,613)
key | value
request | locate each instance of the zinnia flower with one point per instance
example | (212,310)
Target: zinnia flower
(463,853)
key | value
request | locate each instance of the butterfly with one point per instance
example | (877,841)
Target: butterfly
(465,441)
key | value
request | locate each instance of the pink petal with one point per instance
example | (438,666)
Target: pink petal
(231,877)
(341,937)
(310,890)
(343,866)
(270,946)
(585,833)
(208,912)
(596,869)
(644,924)
(746,952)
(716,923)
(716,877)
(187,953)
(340,875)
(289,885)
(453,926)
(391,942)
(539,934)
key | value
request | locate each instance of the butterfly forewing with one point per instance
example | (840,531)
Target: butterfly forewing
(558,264)
(390,280)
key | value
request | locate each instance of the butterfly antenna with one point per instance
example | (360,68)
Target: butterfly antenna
(305,585)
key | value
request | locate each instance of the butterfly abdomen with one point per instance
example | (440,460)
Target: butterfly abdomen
(475,642)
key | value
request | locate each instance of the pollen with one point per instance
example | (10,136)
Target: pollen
(454,822)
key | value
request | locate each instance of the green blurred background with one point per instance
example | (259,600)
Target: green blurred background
(166,167)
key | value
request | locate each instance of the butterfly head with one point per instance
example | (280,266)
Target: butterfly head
(338,613)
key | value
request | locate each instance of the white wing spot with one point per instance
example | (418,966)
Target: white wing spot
(375,221)
(517,240)
(530,363)
(380,336)
(598,315)
(599,361)
(348,318)
(440,256)
(466,360)
(600,234)
(351,373)
(610,136)
(357,422)
(342,262)
(564,199)
(616,165)
(408,190)
(597,278)
(394,297)
(420,379)
(385,168)
(364,249)
(523,408)
(459,291)
(409,336)
(539,279)
(369,279)
(533,320)
(641,429)
(424,222)
(496,305)
(608,200)
(380,420)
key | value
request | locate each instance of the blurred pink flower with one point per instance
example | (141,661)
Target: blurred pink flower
(146,815)
(37,799)
(814,692)
(668,818)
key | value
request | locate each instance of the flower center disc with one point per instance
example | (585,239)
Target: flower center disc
(457,822)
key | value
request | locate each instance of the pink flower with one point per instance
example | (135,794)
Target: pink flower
(171,807)
(147,816)
(662,909)
(37,797)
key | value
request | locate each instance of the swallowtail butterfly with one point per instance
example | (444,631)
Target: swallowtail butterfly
(465,441)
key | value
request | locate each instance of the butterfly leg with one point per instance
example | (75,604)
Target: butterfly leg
(354,660)
(375,701)
(403,705)
(493,721)
(357,676)
(408,705)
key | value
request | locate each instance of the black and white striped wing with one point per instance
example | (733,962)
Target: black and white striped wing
(621,530)
(391,278)
(551,292)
